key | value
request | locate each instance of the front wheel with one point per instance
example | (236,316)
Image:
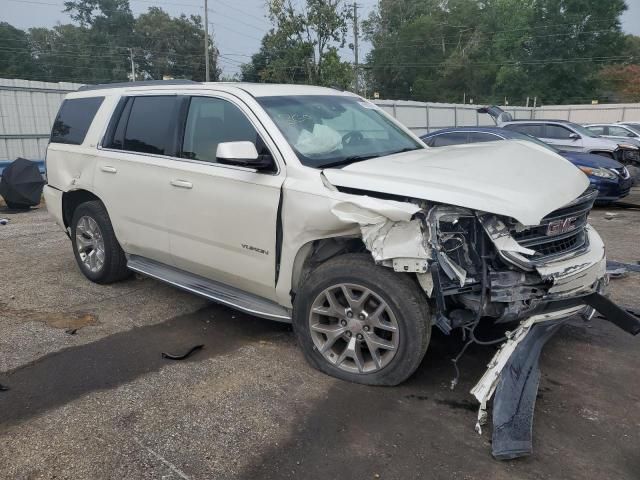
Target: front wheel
(361,322)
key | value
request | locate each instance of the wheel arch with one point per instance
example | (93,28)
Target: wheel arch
(315,252)
(603,153)
(71,200)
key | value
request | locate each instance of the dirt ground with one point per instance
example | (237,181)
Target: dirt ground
(103,403)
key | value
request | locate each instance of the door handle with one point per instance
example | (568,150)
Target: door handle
(108,169)
(181,184)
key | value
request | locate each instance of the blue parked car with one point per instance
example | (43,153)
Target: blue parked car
(611,178)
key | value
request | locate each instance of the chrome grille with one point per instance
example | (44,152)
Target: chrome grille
(548,244)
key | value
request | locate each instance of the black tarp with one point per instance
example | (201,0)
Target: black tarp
(21,184)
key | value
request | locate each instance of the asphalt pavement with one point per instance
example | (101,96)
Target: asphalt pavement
(91,397)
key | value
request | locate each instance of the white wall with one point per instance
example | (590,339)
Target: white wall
(27,111)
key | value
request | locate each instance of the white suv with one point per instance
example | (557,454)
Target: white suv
(313,206)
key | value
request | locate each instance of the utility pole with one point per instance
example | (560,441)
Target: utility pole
(133,67)
(206,41)
(355,45)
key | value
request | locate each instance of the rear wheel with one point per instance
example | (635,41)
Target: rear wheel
(361,322)
(95,246)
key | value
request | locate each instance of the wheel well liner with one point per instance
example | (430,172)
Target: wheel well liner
(315,252)
(71,200)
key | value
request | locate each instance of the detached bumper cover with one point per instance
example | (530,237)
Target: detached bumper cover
(514,374)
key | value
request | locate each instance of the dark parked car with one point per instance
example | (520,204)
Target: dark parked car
(610,177)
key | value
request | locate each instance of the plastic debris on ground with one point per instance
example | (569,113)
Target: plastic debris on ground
(183,356)
(4,221)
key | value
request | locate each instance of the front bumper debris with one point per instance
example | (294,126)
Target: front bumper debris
(514,375)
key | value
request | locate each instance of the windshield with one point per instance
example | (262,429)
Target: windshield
(332,130)
(583,131)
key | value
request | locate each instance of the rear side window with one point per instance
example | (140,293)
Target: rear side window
(445,139)
(533,129)
(74,119)
(150,123)
(479,137)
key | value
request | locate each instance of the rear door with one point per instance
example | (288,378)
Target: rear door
(132,175)
(222,219)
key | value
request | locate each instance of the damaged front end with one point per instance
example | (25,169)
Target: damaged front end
(476,266)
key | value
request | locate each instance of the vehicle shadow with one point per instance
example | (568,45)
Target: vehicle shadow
(63,376)
(358,431)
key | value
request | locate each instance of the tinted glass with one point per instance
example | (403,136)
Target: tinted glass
(73,120)
(148,128)
(479,137)
(211,121)
(533,129)
(116,140)
(557,132)
(597,130)
(619,132)
(445,139)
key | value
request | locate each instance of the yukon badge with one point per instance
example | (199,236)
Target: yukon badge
(564,225)
(255,249)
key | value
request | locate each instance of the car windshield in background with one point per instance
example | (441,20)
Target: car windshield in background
(333,130)
(583,130)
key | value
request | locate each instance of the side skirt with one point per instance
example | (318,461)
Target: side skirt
(210,289)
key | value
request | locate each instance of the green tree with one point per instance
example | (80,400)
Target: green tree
(168,46)
(16,57)
(440,49)
(302,45)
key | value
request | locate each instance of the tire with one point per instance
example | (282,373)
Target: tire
(396,294)
(91,231)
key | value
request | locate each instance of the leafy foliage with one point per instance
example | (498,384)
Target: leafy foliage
(302,45)
(441,49)
(97,47)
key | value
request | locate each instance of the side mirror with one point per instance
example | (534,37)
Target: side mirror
(243,154)
(574,136)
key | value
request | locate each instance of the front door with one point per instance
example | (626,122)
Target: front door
(563,138)
(222,219)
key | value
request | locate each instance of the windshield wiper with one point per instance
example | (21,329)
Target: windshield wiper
(348,160)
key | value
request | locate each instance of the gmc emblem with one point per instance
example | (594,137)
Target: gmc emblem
(558,227)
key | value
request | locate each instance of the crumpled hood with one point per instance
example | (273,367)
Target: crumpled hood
(517,179)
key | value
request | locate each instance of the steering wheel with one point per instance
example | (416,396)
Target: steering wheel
(353,136)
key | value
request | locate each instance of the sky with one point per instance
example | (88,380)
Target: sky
(238,25)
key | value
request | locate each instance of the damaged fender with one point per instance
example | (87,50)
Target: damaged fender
(392,240)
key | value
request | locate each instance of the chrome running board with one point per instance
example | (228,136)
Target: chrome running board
(210,289)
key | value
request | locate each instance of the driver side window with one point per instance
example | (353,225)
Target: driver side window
(211,121)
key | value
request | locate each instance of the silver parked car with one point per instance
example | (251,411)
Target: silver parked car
(618,132)
(567,136)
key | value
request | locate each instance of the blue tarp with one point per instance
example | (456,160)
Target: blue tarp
(5,163)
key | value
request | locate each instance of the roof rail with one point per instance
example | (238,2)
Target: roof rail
(136,84)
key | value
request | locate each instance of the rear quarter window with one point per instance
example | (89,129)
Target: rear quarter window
(74,119)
